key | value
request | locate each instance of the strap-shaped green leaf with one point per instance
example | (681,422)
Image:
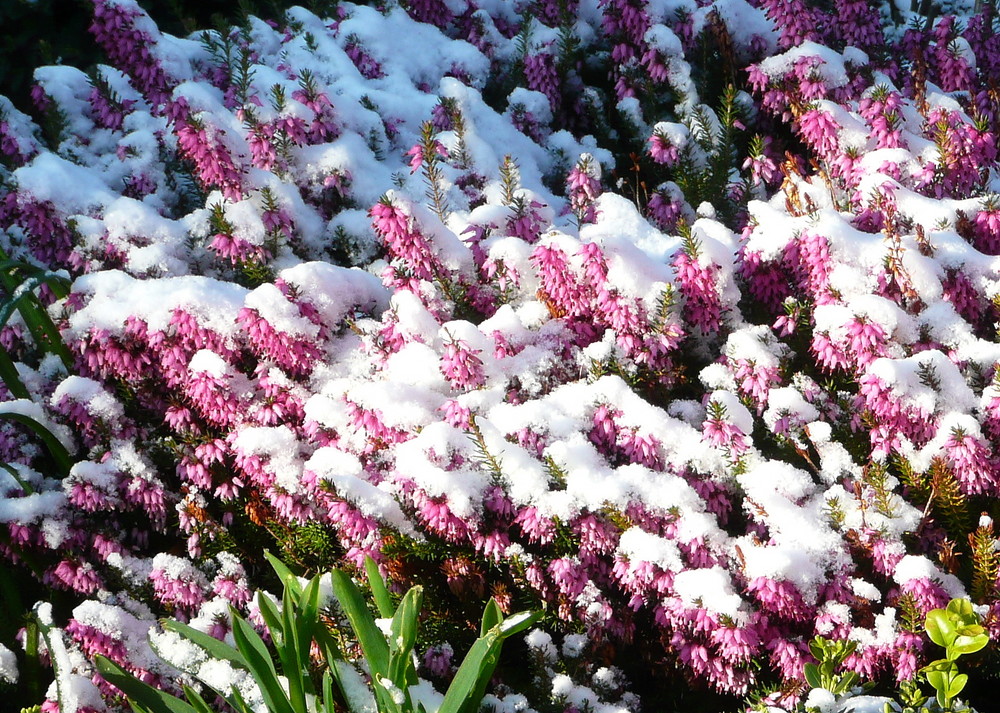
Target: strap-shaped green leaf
(469,685)
(195,699)
(305,624)
(328,699)
(373,643)
(476,669)
(379,592)
(307,618)
(10,377)
(215,648)
(36,319)
(492,616)
(152,699)
(238,703)
(403,637)
(293,662)
(26,487)
(60,288)
(328,645)
(269,613)
(56,449)
(284,574)
(260,665)
(517,623)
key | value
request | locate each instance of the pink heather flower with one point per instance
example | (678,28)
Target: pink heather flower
(986,230)
(763,170)
(754,381)
(457,415)
(210,156)
(737,645)
(296,356)
(94,641)
(810,81)
(568,576)
(820,131)
(697,284)
(461,366)
(780,598)
(359,533)
(813,264)
(149,495)
(132,50)
(795,20)
(526,220)
(263,152)
(867,341)
(323,127)
(604,432)
(584,186)
(437,660)
(959,289)
(370,422)
(19,149)
(176,583)
(882,110)
(626,23)
(74,575)
(438,517)
(526,122)
(663,150)
(126,357)
(927,594)
(404,241)
(434,12)
(108,112)
(537,528)
(667,206)
(656,64)
(972,463)
(643,449)
(894,416)
(721,433)
(904,654)
(563,293)
(830,356)
(49,238)
(858,24)
(541,76)
(716,496)
(237,250)
(964,152)
(624,316)
(953,71)
(766,280)
(211,396)
(788,657)
(89,497)
(418,153)
(492,545)
(597,536)
(368,66)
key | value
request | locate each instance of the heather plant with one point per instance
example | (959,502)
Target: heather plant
(345,298)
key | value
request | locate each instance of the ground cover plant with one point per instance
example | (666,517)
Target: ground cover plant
(673,323)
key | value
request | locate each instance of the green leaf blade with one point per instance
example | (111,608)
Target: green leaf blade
(152,699)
